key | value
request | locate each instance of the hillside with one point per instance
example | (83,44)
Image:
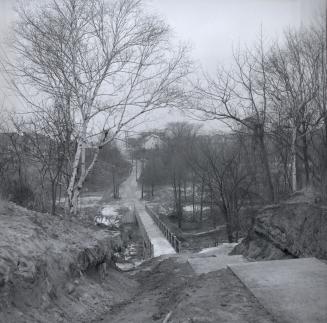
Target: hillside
(55,270)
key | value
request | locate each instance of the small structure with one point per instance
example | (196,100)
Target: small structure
(152,142)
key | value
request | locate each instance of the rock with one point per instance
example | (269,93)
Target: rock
(156,316)
(51,291)
(290,229)
(70,288)
(4,273)
(102,270)
(26,269)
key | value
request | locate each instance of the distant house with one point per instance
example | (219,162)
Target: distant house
(152,142)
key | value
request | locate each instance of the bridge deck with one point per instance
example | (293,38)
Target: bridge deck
(161,246)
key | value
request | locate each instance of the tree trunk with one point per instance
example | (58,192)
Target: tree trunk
(180,209)
(83,151)
(229,229)
(264,154)
(114,183)
(306,159)
(185,191)
(117,190)
(201,202)
(53,197)
(71,187)
(293,153)
(212,215)
(193,199)
(74,190)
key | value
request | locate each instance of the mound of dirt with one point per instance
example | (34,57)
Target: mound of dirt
(295,228)
(170,288)
(56,270)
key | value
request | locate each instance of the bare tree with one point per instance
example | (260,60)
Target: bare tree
(227,178)
(104,65)
(294,88)
(179,138)
(240,96)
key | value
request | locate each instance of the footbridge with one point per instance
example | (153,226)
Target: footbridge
(154,240)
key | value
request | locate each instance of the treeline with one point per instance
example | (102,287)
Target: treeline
(204,171)
(274,100)
(34,170)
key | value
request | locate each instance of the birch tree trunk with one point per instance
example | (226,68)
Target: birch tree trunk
(71,186)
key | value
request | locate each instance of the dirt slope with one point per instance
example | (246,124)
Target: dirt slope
(53,270)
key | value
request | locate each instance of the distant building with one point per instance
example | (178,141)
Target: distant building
(152,142)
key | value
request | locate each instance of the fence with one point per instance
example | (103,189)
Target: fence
(147,244)
(176,244)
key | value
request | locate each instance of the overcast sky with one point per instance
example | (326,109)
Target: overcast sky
(213,27)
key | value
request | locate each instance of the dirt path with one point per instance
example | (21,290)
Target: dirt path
(172,286)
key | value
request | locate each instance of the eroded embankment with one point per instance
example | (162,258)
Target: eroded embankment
(55,270)
(293,229)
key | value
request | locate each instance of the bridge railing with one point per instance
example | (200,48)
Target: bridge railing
(147,244)
(176,244)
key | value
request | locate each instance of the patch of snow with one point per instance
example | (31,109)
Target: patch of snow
(109,216)
(107,221)
(84,201)
(125,266)
(89,201)
(91,198)
(222,249)
(189,208)
(109,210)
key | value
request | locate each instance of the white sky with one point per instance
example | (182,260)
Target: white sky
(213,27)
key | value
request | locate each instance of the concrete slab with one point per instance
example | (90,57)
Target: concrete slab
(204,265)
(293,291)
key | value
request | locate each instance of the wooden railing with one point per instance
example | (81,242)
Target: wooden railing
(176,244)
(147,244)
